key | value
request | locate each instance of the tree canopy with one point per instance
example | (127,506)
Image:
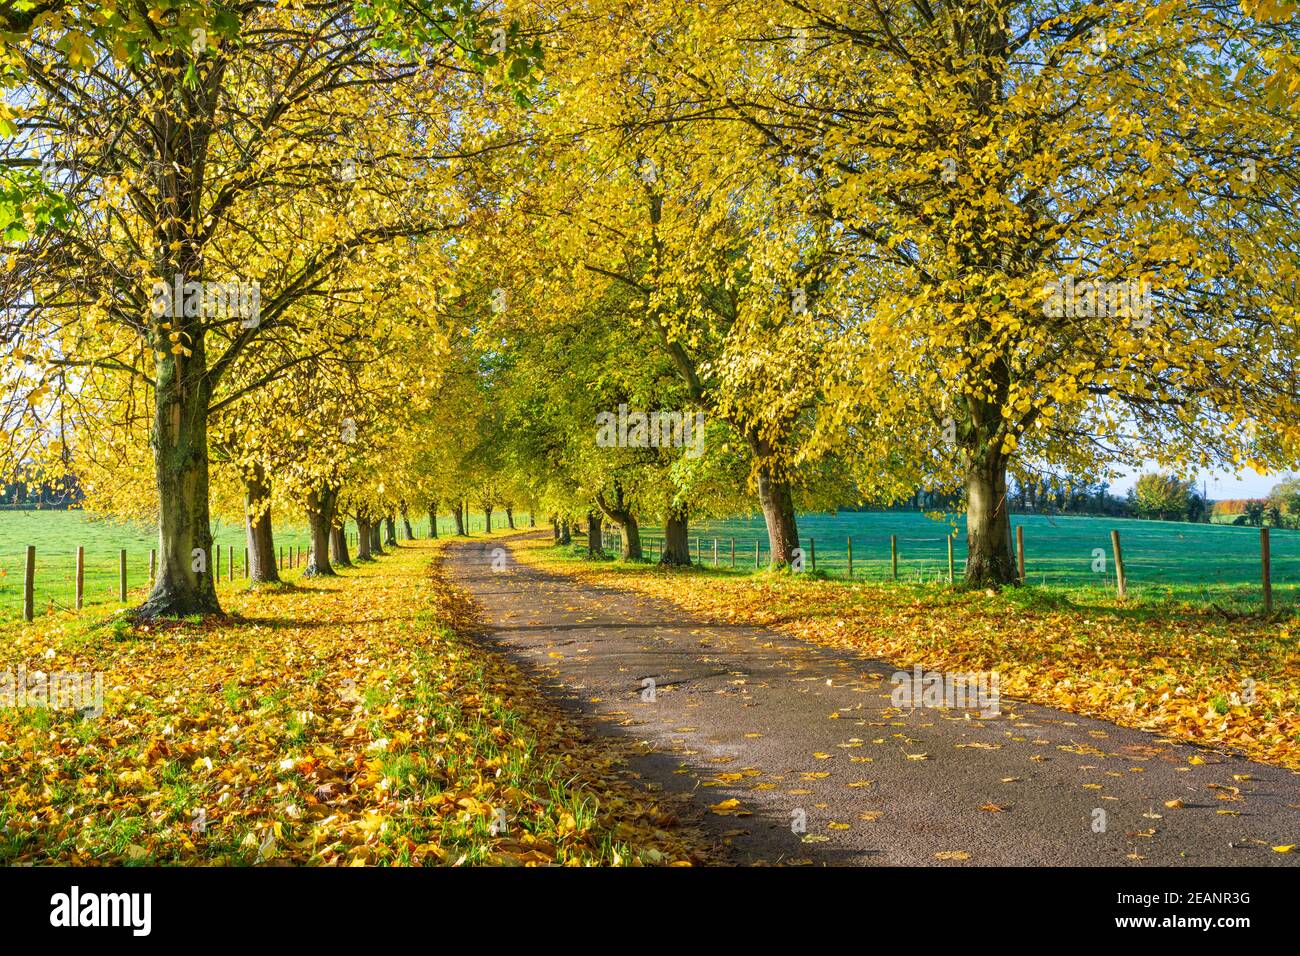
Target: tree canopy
(647,262)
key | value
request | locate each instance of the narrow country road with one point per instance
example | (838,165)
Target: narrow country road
(798,733)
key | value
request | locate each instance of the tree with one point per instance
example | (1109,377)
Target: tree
(1058,229)
(170,155)
(1162,497)
(1284,498)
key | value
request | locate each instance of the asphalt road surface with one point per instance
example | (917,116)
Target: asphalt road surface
(823,769)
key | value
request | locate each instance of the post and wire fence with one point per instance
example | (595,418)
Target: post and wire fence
(1107,565)
(59,579)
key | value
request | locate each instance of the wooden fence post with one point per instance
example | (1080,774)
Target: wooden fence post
(951,566)
(230,555)
(81,575)
(153,565)
(1120,583)
(733,552)
(29,584)
(245,564)
(1020,551)
(121,575)
(812,553)
(1265,556)
(893,553)
(757,544)
(850,555)
(715,552)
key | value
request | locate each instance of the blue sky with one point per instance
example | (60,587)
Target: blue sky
(1246,484)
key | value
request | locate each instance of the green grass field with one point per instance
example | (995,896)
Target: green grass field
(1162,559)
(57,534)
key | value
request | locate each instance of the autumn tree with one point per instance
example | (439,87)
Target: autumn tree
(175,159)
(1060,230)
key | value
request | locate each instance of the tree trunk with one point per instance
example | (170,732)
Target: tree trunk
(989,561)
(184,582)
(487,518)
(510,517)
(320,518)
(630,537)
(377,538)
(433,519)
(257,527)
(363,539)
(778,513)
(555,530)
(406,525)
(390,526)
(677,544)
(620,515)
(459,515)
(339,546)
(566,535)
(594,543)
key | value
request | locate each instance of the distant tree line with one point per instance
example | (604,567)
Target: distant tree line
(1049,494)
(1155,497)
(53,495)
(1281,509)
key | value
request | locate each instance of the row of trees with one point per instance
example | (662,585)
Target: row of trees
(843,252)
(888,247)
(301,154)
(1280,509)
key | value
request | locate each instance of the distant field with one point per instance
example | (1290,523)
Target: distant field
(56,535)
(1161,558)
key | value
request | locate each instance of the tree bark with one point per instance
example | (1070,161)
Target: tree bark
(406,524)
(989,559)
(180,444)
(257,527)
(363,539)
(778,513)
(594,524)
(433,519)
(390,526)
(487,518)
(555,530)
(677,544)
(630,538)
(459,514)
(510,517)
(320,518)
(339,546)
(566,534)
(377,538)
(620,515)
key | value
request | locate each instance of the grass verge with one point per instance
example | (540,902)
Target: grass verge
(345,721)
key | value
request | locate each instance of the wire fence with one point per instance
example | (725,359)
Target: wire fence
(1184,560)
(105,577)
